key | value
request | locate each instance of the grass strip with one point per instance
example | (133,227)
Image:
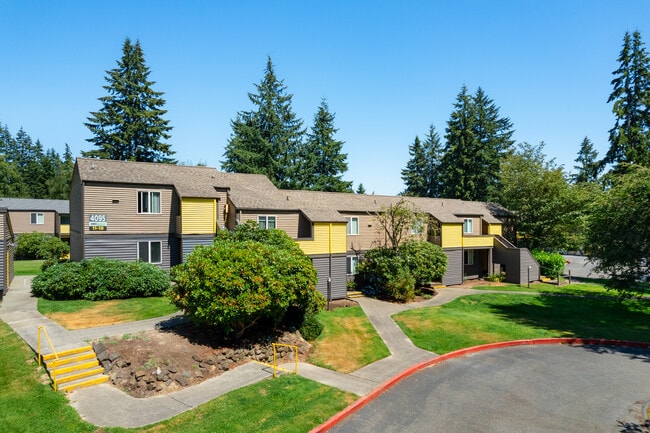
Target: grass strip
(80,314)
(348,342)
(27,267)
(490,318)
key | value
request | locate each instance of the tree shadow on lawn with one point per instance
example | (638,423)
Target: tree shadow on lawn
(582,317)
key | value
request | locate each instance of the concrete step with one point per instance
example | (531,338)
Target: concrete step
(74,368)
(84,382)
(353,294)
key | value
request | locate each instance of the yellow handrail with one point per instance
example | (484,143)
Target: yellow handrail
(56,355)
(40,357)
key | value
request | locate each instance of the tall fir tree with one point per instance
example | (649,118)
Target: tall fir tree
(267,139)
(588,166)
(433,155)
(478,138)
(322,164)
(630,137)
(413,174)
(361,189)
(130,125)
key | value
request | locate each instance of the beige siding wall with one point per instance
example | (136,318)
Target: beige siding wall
(120,205)
(21,222)
(287,221)
(370,233)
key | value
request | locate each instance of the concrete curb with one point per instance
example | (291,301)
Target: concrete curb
(354,407)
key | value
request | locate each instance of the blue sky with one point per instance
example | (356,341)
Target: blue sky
(387,69)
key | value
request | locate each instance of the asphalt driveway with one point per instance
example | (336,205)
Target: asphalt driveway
(521,389)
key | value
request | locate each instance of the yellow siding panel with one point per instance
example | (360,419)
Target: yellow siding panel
(452,235)
(322,243)
(478,241)
(495,229)
(198,216)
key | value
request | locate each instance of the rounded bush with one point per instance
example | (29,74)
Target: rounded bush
(100,279)
(550,264)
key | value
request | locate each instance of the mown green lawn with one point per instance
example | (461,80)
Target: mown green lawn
(489,318)
(27,267)
(576,288)
(287,404)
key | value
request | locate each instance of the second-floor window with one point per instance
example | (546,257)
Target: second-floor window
(148,202)
(353,225)
(468,226)
(37,218)
(266,222)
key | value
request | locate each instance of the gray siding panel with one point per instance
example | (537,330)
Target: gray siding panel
(337,272)
(125,247)
(454,273)
(189,242)
(515,262)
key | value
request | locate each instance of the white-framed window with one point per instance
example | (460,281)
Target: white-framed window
(352,263)
(266,222)
(417,228)
(468,225)
(469,257)
(150,251)
(353,225)
(37,218)
(148,201)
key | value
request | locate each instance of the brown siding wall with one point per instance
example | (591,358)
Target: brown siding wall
(285,220)
(76,218)
(20,221)
(120,205)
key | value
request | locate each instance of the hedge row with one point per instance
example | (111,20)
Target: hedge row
(100,279)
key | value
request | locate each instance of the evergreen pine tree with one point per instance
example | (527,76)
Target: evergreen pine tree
(477,140)
(361,189)
(321,162)
(588,166)
(433,156)
(129,126)
(267,139)
(629,138)
(413,174)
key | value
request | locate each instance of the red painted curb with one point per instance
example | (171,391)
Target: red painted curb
(352,408)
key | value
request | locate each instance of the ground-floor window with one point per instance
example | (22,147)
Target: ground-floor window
(150,251)
(469,257)
(37,218)
(352,262)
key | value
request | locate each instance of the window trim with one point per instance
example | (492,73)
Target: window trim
(352,263)
(266,221)
(35,217)
(149,194)
(466,225)
(348,227)
(149,243)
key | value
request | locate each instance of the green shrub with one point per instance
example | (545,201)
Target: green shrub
(311,327)
(496,278)
(100,279)
(551,264)
(247,277)
(40,246)
(426,261)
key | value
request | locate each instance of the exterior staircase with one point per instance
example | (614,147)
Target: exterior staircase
(74,368)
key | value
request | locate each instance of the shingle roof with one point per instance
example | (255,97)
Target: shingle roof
(34,204)
(257,192)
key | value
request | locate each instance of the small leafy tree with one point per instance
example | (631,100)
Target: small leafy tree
(247,277)
(395,221)
(618,236)
(550,264)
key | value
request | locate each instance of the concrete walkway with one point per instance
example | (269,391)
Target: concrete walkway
(106,406)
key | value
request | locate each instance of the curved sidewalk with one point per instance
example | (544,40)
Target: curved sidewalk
(106,406)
